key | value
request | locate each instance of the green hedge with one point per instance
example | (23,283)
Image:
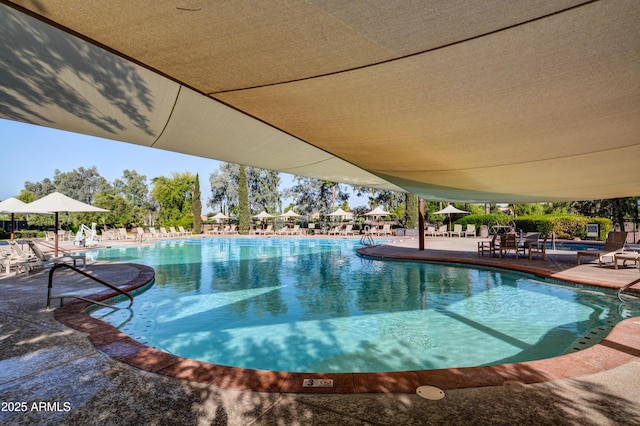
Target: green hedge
(565,226)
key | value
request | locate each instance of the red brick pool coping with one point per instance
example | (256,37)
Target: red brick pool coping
(621,346)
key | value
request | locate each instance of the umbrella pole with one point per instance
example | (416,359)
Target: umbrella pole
(13,225)
(56,231)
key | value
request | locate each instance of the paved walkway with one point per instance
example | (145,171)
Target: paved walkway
(57,376)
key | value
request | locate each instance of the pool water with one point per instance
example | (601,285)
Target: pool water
(310,305)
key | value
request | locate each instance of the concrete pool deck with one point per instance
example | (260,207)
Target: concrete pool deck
(44,361)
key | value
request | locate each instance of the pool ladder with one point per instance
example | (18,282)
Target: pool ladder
(70,296)
(367,239)
(622,289)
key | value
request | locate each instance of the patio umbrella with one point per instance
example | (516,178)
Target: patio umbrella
(377,212)
(263,215)
(448,210)
(12,205)
(220,216)
(289,214)
(341,213)
(55,203)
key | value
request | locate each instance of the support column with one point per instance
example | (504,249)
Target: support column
(420,224)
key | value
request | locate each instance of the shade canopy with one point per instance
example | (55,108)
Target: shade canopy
(263,215)
(55,203)
(458,100)
(219,216)
(340,212)
(12,205)
(450,209)
(378,211)
(290,213)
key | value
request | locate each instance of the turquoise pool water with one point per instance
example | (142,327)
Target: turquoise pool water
(310,305)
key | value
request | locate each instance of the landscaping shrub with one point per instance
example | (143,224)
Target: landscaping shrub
(565,226)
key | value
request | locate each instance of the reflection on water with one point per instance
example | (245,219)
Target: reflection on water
(314,305)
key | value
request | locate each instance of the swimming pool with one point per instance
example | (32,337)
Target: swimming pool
(310,305)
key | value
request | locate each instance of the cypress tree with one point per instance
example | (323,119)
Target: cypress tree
(196,207)
(411,212)
(243,202)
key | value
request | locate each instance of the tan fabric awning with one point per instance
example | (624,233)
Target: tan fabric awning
(460,100)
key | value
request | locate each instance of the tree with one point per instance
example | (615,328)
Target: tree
(243,202)
(196,206)
(133,187)
(262,187)
(388,200)
(316,195)
(80,184)
(411,212)
(173,195)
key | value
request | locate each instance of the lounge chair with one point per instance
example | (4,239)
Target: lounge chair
(164,233)
(334,231)
(431,231)
(442,231)
(348,230)
(66,257)
(182,230)
(122,234)
(614,244)
(154,232)
(295,230)
(175,233)
(457,230)
(471,230)
(386,230)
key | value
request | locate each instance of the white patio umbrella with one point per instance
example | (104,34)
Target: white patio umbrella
(289,214)
(448,210)
(12,205)
(377,212)
(55,203)
(220,216)
(342,214)
(263,215)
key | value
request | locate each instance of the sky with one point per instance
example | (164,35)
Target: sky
(33,153)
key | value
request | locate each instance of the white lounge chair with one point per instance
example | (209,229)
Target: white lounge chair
(471,230)
(430,231)
(442,231)
(457,230)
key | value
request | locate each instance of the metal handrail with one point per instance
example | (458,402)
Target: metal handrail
(62,297)
(623,288)
(367,238)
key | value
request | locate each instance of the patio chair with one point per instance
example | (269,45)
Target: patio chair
(457,230)
(442,231)
(539,249)
(348,230)
(614,244)
(508,242)
(488,246)
(471,230)
(386,230)
(530,239)
(431,231)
